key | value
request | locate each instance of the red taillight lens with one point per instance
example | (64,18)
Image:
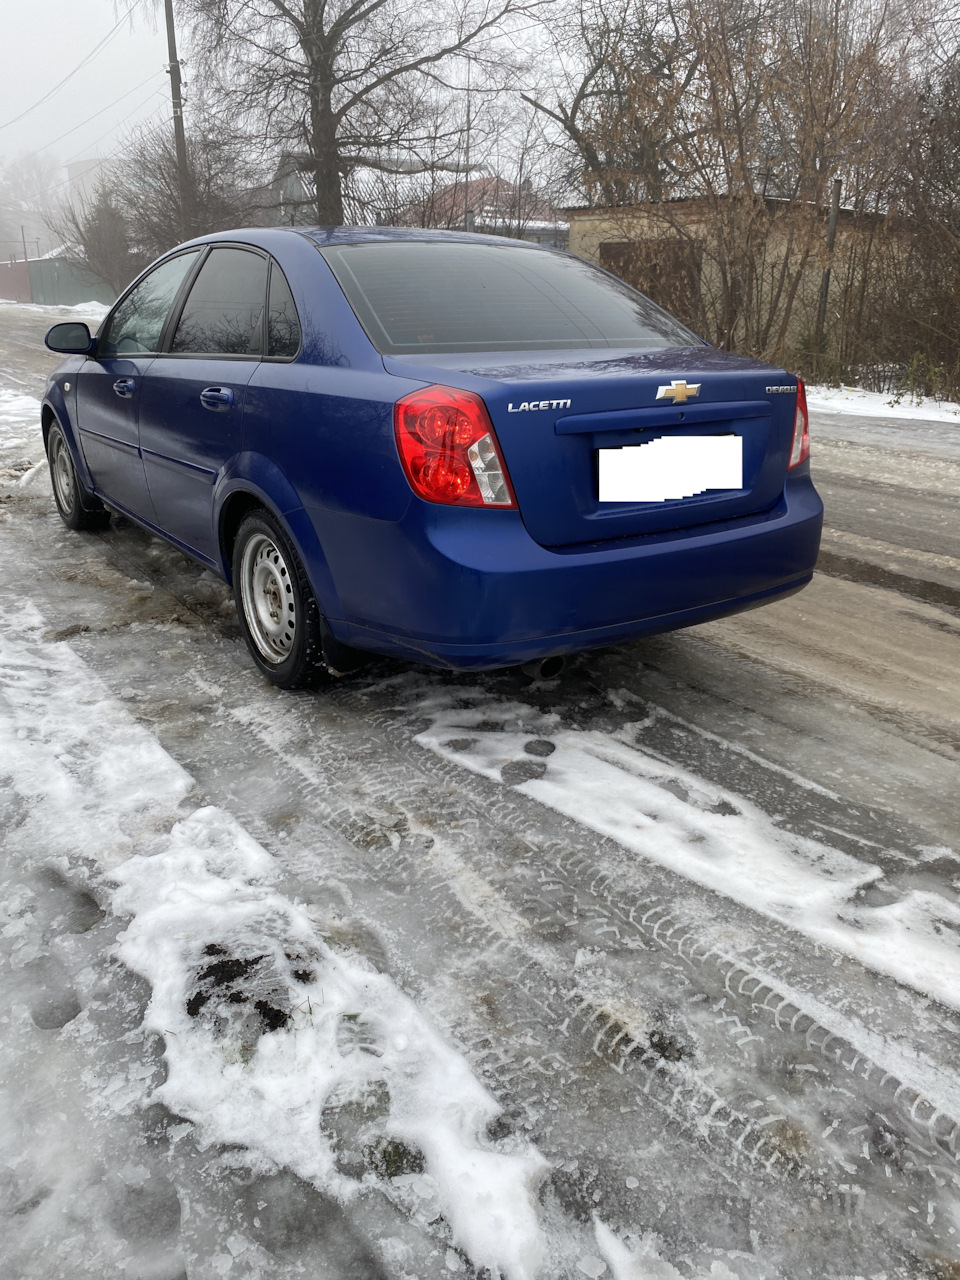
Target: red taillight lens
(449,449)
(800,450)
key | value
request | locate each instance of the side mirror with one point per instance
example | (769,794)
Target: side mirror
(70,339)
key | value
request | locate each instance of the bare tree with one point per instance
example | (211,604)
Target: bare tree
(345,83)
(512,191)
(712,131)
(98,231)
(226,183)
(626,65)
(134,213)
(912,330)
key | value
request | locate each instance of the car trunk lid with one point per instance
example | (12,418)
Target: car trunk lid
(555,412)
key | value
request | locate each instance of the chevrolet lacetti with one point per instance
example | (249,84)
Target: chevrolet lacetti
(462,450)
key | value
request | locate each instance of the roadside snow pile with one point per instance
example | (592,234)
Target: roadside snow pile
(94,311)
(19,421)
(875,404)
(268,1032)
(713,837)
(273,1042)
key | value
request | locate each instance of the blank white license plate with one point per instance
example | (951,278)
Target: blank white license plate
(671,467)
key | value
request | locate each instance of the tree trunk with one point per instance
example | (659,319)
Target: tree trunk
(326,164)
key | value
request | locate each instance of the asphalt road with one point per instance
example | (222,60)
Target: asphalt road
(924,520)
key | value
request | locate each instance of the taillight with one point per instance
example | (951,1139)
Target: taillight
(449,449)
(800,450)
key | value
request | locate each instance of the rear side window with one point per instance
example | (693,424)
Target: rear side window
(136,325)
(434,296)
(223,314)
(283,324)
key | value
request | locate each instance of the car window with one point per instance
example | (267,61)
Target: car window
(224,309)
(137,323)
(456,296)
(283,324)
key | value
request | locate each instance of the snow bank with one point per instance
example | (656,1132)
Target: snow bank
(81,311)
(877,405)
(272,1040)
(711,836)
(19,420)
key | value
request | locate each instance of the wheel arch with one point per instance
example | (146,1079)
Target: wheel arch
(51,414)
(244,495)
(235,507)
(47,419)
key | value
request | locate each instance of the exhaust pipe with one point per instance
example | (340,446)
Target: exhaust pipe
(544,668)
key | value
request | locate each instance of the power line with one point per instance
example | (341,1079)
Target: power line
(70,74)
(150,77)
(76,156)
(140,123)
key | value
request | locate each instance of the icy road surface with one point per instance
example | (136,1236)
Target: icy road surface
(649,972)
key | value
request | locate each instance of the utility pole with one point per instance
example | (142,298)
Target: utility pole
(466,163)
(24,239)
(183,173)
(825,279)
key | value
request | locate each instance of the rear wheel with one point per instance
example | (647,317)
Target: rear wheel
(278,612)
(78,509)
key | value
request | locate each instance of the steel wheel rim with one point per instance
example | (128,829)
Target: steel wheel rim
(61,469)
(268,598)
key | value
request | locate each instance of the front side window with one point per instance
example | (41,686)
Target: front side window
(283,324)
(457,296)
(137,323)
(223,314)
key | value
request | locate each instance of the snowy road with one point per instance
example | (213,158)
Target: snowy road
(648,972)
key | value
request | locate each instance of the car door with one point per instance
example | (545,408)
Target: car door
(192,398)
(109,385)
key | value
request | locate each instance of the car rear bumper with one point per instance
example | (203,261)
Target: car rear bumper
(470,589)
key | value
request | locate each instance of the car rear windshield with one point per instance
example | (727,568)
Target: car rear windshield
(422,297)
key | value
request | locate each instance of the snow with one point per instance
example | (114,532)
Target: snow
(348,1035)
(643,1261)
(268,1032)
(713,837)
(81,310)
(19,420)
(875,404)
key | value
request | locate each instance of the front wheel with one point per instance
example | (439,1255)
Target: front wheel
(77,508)
(278,613)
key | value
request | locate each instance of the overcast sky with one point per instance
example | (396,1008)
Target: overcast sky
(42,41)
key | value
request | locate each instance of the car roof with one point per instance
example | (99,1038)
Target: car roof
(324,236)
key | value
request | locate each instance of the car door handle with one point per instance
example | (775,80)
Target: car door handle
(125,387)
(216,398)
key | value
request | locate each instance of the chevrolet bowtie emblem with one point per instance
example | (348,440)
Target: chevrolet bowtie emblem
(679,392)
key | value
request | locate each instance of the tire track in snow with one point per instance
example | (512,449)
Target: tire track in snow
(696,1108)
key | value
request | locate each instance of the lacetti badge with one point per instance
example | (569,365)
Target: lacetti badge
(679,392)
(532,406)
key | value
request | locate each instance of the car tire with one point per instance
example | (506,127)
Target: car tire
(77,508)
(279,616)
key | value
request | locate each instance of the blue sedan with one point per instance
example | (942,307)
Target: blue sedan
(462,450)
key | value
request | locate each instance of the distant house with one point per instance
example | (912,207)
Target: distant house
(286,200)
(750,267)
(491,206)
